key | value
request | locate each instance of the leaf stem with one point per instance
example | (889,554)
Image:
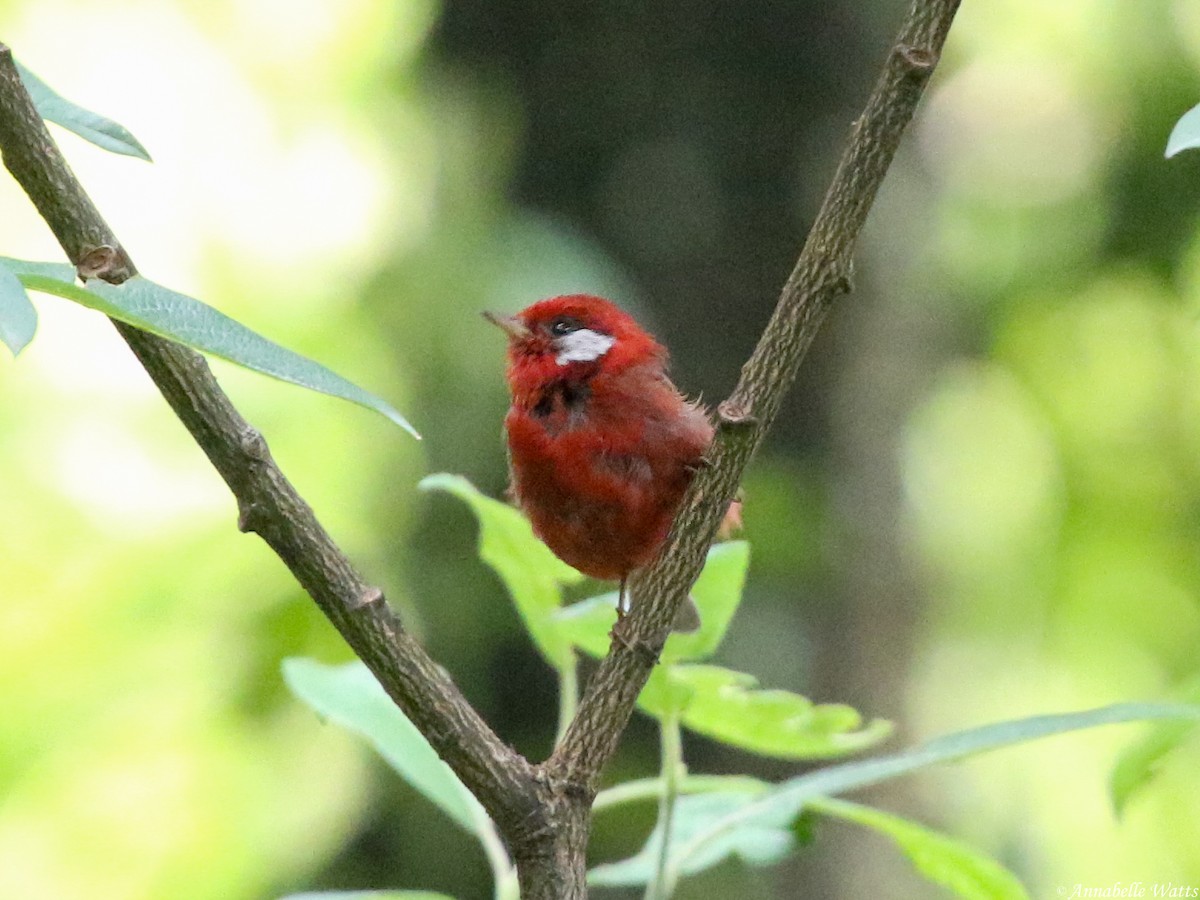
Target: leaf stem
(652,788)
(568,694)
(662,885)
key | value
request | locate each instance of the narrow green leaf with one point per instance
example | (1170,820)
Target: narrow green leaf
(368,895)
(104,133)
(1141,760)
(760,843)
(717,592)
(1186,133)
(790,797)
(727,706)
(967,872)
(18,318)
(533,575)
(183,319)
(350,696)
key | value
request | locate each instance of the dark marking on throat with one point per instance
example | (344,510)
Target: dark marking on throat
(561,404)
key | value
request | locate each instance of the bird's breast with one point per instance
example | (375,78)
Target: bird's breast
(600,469)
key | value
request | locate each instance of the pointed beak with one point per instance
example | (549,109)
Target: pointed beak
(511,325)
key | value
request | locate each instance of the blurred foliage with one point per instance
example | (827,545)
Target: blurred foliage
(981,502)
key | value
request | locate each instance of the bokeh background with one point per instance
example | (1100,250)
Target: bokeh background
(982,501)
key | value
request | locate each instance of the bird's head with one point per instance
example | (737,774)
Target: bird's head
(573,337)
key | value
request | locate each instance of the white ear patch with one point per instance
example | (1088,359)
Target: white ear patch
(583,345)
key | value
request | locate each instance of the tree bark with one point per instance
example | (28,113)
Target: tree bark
(552,864)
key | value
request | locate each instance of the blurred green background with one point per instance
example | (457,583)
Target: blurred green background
(982,502)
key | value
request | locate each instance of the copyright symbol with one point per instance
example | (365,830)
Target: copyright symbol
(1062,891)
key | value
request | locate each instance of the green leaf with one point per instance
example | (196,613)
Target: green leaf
(708,832)
(717,702)
(183,319)
(587,624)
(760,843)
(727,706)
(790,797)
(533,575)
(350,696)
(18,318)
(104,133)
(1140,761)
(717,592)
(1186,133)
(663,695)
(967,872)
(368,895)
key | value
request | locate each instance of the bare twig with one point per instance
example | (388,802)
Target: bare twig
(501,778)
(822,274)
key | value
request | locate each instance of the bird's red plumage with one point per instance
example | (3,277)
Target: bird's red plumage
(601,450)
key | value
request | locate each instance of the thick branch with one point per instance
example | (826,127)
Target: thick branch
(501,778)
(821,274)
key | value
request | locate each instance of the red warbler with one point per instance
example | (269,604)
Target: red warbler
(601,444)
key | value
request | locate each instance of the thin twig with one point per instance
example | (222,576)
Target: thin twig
(822,273)
(662,884)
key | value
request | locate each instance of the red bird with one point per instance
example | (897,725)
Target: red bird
(601,444)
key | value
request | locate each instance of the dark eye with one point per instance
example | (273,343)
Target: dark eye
(564,325)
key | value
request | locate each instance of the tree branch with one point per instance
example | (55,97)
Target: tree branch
(269,505)
(542,811)
(822,273)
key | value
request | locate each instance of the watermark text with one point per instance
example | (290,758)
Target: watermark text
(1128,889)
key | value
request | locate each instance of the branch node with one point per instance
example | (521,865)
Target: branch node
(919,61)
(105,262)
(247,511)
(253,445)
(369,596)
(732,414)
